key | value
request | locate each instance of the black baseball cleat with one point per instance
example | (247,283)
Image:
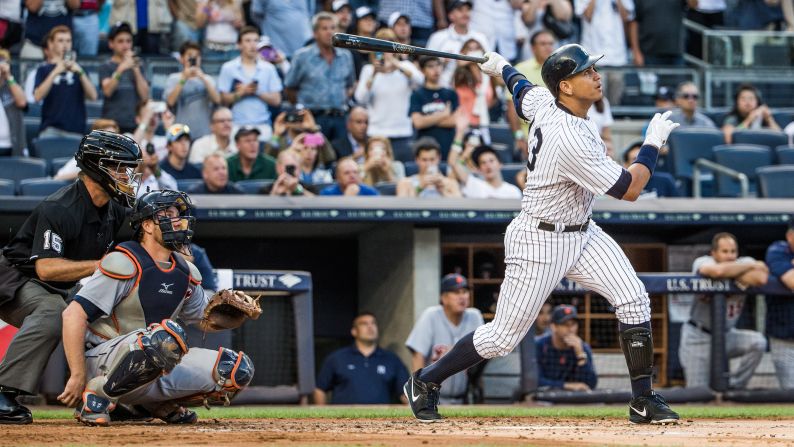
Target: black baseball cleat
(651,408)
(423,398)
(11,412)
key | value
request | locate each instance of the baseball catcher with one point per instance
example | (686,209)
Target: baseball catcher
(137,360)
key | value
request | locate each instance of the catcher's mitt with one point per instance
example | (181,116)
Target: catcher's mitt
(228,309)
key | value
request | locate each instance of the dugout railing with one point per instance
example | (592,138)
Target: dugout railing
(666,284)
(280,343)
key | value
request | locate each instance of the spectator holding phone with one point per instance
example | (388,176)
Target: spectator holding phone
(153,178)
(287,183)
(191,93)
(63,86)
(148,116)
(429,181)
(122,78)
(310,146)
(271,54)
(485,180)
(13,103)
(248,85)
(379,164)
(221,19)
(289,124)
(248,163)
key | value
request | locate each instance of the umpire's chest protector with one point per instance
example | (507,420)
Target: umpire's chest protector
(155,295)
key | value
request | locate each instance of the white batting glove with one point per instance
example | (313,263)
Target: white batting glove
(659,129)
(494,65)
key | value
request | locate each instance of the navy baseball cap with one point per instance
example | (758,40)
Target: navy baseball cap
(454,4)
(664,93)
(339,4)
(563,313)
(453,282)
(119,27)
(246,130)
(364,11)
(177,131)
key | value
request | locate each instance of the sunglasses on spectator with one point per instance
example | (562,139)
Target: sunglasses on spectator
(689,96)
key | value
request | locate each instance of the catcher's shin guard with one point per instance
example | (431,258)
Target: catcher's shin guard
(157,351)
(231,372)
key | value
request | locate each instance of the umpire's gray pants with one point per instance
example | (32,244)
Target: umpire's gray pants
(36,312)
(783,358)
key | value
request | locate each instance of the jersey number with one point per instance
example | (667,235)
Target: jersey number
(534,148)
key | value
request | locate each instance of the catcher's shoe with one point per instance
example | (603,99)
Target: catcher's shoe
(95,410)
(651,408)
(423,398)
(130,413)
(181,416)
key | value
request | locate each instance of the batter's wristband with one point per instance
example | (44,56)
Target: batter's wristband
(647,156)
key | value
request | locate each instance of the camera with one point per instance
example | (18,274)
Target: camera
(150,148)
(295,115)
(157,106)
(192,61)
(290,170)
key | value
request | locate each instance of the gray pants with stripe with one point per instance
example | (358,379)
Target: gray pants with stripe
(537,260)
(783,358)
(191,377)
(694,352)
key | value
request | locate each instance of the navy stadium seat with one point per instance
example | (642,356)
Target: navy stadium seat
(744,158)
(7,187)
(785,155)
(769,138)
(40,186)
(775,181)
(187,184)
(411,168)
(783,118)
(510,171)
(387,188)
(686,146)
(58,163)
(252,186)
(503,135)
(55,147)
(20,168)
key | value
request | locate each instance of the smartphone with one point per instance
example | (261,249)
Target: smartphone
(269,54)
(150,149)
(314,139)
(377,151)
(192,61)
(474,140)
(432,170)
(290,170)
(69,56)
(379,57)
(158,106)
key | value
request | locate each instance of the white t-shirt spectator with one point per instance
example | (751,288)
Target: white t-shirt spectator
(604,33)
(207,145)
(448,40)
(601,120)
(477,188)
(388,99)
(494,19)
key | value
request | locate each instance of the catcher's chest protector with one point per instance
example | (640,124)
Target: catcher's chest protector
(154,297)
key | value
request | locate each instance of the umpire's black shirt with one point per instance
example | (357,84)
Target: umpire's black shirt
(65,225)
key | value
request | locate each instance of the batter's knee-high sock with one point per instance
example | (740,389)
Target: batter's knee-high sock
(461,357)
(639,355)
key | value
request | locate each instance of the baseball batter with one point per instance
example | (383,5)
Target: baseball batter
(553,237)
(120,334)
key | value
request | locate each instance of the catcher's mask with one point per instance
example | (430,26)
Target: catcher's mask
(168,209)
(111,159)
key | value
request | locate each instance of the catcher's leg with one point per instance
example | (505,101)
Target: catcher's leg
(203,377)
(138,361)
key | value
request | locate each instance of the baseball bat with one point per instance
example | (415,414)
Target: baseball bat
(360,43)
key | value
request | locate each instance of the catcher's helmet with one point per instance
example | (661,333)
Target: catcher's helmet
(111,160)
(565,62)
(154,205)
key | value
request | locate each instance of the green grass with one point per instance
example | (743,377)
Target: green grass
(594,412)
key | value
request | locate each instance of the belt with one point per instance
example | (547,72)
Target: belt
(84,12)
(697,325)
(220,46)
(546,226)
(328,112)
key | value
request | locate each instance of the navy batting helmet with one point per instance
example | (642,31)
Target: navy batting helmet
(565,62)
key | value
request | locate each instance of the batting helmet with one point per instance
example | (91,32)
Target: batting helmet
(154,205)
(111,160)
(565,62)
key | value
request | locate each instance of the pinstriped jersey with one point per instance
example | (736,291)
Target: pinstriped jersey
(567,164)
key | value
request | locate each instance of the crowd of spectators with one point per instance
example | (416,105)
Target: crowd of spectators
(281,75)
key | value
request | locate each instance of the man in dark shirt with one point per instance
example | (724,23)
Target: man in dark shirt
(564,360)
(433,107)
(60,243)
(656,33)
(215,173)
(122,79)
(176,163)
(63,86)
(362,373)
(780,309)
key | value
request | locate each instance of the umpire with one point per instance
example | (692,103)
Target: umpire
(60,243)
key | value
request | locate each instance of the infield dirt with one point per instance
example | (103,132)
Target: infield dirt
(404,432)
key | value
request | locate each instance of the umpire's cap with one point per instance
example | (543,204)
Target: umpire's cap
(565,62)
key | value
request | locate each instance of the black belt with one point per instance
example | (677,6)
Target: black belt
(84,12)
(546,226)
(697,325)
(328,112)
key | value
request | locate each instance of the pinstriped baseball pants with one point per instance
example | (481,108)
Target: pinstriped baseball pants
(537,260)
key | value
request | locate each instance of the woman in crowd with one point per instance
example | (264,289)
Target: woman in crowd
(221,20)
(475,91)
(380,165)
(749,112)
(312,149)
(384,88)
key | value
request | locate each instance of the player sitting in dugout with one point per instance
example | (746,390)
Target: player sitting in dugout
(565,361)
(137,364)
